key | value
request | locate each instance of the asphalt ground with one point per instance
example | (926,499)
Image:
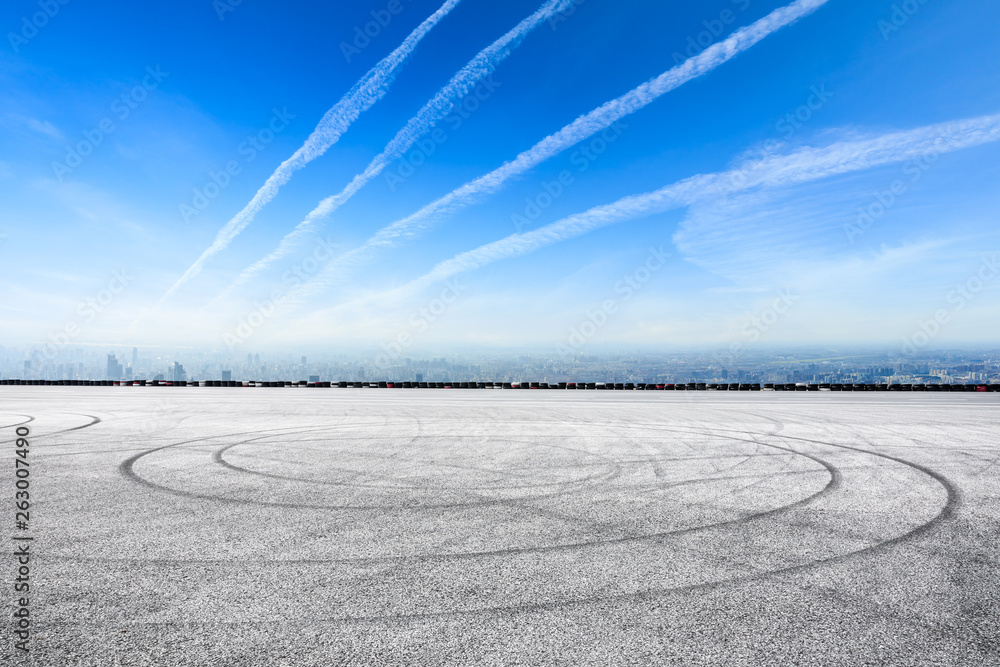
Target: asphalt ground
(211,526)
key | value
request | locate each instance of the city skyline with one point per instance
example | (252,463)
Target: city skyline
(566,177)
(802,364)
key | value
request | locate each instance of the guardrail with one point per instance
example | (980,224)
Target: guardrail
(592,386)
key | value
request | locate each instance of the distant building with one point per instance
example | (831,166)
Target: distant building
(420,377)
(114,370)
(135,357)
(227,376)
(27,368)
(178,372)
(314,378)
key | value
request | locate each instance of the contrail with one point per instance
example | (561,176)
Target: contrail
(434,111)
(582,128)
(366,92)
(804,165)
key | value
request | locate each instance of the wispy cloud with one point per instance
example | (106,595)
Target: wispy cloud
(776,171)
(365,93)
(39,126)
(580,129)
(433,112)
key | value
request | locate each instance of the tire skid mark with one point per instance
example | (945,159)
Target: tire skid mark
(126,468)
(642,596)
(953,493)
(94,420)
(218,458)
(832,485)
(563,486)
(26,421)
(951,506)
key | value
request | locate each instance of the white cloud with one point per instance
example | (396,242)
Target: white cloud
(365,93)
(773,172)
(43,127)
(435,110)
(580,129)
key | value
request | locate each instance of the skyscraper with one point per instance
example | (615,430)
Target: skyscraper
(178,372)
(114,370)
(135,358)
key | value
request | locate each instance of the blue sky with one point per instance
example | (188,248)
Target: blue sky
(727,209)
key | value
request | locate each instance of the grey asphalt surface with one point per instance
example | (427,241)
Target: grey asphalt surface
(210,526)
